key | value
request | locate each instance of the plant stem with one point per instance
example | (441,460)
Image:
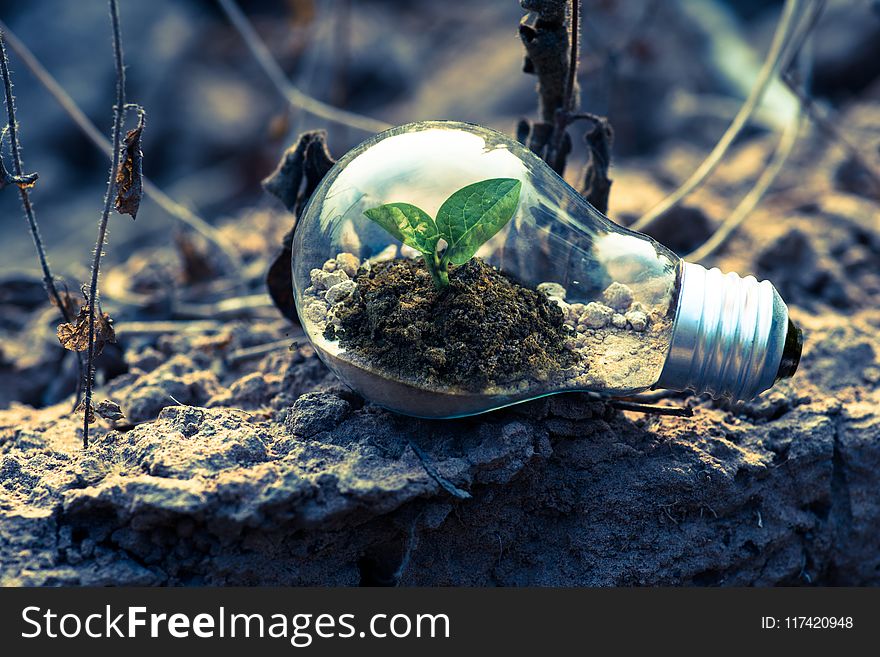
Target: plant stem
(169,205)
(296,97)
(118,119)
(785,29)
(438,269)
(18,169)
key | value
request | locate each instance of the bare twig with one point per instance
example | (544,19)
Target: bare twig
(434,473)
(830,128)
(550,51)
(569,98)
(260,350)
(118,120)
(292,94)
(24,193)
(169,205)
(786,144)
(784,30)
(750,200)
(176,327)
(651,409)
(226,308)
(18,168)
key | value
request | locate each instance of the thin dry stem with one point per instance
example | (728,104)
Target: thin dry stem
(788,22)
(750,200)
(168,204)
(118,120)
(18,168)
(830,128)
(292,94)
(24,193)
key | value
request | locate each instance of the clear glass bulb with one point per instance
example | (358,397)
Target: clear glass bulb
(559,299)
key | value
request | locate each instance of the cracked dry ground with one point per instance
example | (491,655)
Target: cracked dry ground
(302,483)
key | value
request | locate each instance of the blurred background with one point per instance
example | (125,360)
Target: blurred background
(669,75)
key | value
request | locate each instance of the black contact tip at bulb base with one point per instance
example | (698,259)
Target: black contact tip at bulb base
(791,352)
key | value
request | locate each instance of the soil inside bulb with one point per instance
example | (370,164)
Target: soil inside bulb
(483,331)
(486,334)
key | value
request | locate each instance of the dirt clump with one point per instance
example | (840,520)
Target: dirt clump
(483,330)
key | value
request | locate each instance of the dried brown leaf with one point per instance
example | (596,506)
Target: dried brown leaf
(110,410)
(129,176)
(301,169)
(75,336)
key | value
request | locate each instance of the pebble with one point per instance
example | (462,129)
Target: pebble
(340,291)
(324,280)
(552,290)
(315,311)
(596,315)
(348,262)
(637,319)
(330,265)
(618,321)
(618,296)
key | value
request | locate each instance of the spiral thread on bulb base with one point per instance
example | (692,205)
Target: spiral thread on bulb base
(732,336)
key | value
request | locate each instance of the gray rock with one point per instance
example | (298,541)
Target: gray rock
(340,291)
(638,320)
(618,296)
(596,315)
(315,412)
(349,263)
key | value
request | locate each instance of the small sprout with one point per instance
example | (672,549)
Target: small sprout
(465,221)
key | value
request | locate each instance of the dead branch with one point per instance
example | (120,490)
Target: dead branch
(753,197)
(651,409)
(139,328)
(168,204)
(260,350)
(118,120)
(783,150)
(830,128)
(551,55)
(23,184)
(292,94)
(786,27)
(434,473)
(596,185)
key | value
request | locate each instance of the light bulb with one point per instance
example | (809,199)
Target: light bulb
(558,299)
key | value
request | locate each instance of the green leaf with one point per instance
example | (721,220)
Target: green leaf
(411,225)
(475,213)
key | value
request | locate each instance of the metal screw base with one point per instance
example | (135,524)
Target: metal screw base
(729,335)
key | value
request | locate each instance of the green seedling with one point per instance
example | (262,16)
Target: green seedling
(465,221)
